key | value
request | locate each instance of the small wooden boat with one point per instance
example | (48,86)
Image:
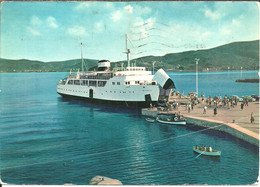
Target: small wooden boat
(150,119)
(213,153)
(171,119)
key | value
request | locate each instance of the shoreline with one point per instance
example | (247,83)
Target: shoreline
(191,71)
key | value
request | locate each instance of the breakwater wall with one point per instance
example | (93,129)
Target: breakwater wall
(224,127)
(230,128)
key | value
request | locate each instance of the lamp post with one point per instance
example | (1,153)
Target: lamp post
(153,66)
(197,78)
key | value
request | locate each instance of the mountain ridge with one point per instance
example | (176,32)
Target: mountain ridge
(230,56)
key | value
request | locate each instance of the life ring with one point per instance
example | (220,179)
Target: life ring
(176,119)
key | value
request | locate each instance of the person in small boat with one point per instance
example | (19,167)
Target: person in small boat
(210,149)
(197,147)
(202,147)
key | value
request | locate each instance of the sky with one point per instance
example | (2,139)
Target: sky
(53,31)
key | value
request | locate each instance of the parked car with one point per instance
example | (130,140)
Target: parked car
(238,98)
(256,97)
(249,98)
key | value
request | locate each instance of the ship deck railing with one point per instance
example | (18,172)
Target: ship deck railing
(91,77)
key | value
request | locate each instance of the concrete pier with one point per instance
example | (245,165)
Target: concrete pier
(231,120)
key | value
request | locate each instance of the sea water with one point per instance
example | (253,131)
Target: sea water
(45,139)
(216,83)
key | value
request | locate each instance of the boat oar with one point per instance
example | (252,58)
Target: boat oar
(199,154)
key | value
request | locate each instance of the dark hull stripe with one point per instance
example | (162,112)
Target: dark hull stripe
(132,104)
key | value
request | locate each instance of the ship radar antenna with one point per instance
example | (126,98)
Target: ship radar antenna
(82,57)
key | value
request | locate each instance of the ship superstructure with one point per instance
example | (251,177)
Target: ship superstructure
(126,86)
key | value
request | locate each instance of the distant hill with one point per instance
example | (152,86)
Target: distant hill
(23,65)
(234,55)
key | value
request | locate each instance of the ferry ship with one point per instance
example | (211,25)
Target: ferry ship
(126,86)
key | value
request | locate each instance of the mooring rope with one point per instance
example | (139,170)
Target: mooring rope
(114,150)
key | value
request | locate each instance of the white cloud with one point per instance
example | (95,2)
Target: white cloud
(33,31)
(225,31)
(51,22)
(109,5)
(146,10)
(206,34)
(139,23)
(35,21)
(98,27)
(82,6)
(150,21)
(141,28)
(77,31)
(232,27)
(213,15)
(129,9)
(116,16)
(143,10)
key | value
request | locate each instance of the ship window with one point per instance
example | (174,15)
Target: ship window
(76,82)
(63,81)
(83,82)
(92,83)
(118,83)
(113,83)
(70,82)
(102,83)
(137,82)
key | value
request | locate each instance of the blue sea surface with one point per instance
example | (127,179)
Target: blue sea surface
(45,139)
(216,83)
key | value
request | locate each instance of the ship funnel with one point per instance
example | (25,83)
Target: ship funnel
(104,65)
(163,79)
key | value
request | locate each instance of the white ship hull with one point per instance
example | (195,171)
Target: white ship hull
(130,88)
(130,95)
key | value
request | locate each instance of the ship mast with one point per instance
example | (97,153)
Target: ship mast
(127,52)
(82,61)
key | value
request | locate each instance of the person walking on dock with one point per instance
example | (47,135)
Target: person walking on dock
(252,119)
(205,110)
(189,108)
(246,102)
(215,111)
(242,106)
(209,101)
